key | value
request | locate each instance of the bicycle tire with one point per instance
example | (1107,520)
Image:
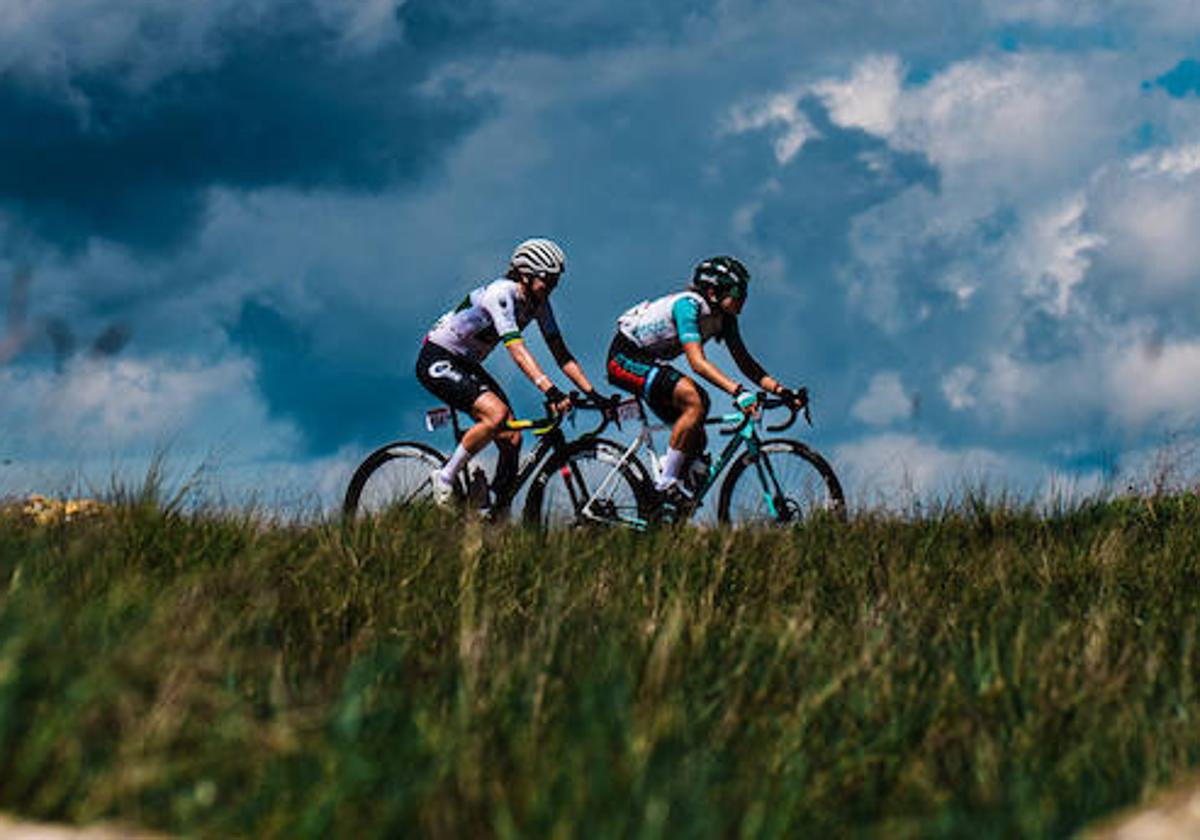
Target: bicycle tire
(562,487)
(386,488)
(811,483)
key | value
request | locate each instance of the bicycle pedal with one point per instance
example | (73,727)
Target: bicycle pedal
(675,504)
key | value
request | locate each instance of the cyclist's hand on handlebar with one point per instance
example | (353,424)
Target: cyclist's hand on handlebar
(746,401)
(556,401)
(797,399)
(607,406)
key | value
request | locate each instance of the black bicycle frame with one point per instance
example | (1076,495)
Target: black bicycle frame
(549,442)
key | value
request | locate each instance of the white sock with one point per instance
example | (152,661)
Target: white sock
(673,464)
(460,457)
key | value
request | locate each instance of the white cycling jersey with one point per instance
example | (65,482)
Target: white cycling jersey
(488,315)
(662,326)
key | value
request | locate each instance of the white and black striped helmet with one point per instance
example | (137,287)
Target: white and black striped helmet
(723,275)
(539,256)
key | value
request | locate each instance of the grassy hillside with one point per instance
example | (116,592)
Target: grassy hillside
(982,671)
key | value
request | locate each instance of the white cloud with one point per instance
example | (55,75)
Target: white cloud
(1131,381)
(896,470)
(779,110)
(1054,256)
(869,99)
(900,472)
(1014,139)
(1180,162)
(881,240)
(996,118)
(957,386)
(1156,383)
(135,405)
(885,401)
(1014,118)
(1149,212)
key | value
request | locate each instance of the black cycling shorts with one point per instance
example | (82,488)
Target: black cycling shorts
(454,379)
(634,370)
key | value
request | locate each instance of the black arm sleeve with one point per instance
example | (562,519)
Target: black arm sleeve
(746,363)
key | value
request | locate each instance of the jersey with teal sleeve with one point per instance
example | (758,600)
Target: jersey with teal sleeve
(662,326)
(488,315)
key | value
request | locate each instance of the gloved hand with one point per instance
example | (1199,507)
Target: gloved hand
(557,401)
(745,401)
(608,404)
(795,398)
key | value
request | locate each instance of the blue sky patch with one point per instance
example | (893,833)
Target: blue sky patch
(1182,79)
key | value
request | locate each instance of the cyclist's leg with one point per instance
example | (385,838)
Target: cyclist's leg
(692,403)
(689,403)
(489,412)
(508,441)
(466,386)
(508,448)
(658,385)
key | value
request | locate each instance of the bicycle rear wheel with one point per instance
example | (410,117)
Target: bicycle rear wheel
(787,483)
(396,474)
(588,484)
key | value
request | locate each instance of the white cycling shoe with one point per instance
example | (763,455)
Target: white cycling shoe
(443,491)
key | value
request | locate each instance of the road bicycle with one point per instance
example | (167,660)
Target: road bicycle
(398,473)
(771,481)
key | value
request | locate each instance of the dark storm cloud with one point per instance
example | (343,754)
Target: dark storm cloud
(328,402)
(284,106)
(548,26)
(839,175)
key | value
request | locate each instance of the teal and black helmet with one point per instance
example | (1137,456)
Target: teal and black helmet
(723,275)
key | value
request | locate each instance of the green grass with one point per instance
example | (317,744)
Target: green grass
(980,671)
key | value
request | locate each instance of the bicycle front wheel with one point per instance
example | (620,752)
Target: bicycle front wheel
(788,482)
(393,475)
(590,483)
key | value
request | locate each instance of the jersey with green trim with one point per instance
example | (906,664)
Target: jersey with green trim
(492,313)
(661,327)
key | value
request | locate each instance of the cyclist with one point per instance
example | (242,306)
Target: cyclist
(654,332)
(449,365)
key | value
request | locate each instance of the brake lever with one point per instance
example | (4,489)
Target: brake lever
(611,413)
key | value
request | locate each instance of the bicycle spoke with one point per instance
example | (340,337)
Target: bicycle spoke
(786,483)
(590,488)
(397,475)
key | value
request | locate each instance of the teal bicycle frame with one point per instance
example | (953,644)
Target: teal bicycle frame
(743,432)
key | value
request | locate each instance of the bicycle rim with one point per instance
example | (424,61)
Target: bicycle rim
(787,483)
(395,475)
(587,487)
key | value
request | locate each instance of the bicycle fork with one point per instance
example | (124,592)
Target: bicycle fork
(772,493)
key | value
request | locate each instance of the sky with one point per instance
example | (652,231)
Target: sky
(225,226)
